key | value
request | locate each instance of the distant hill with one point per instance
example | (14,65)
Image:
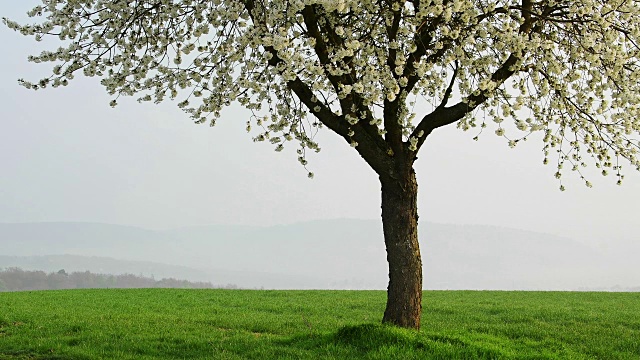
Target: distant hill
(106,265)
(329,254)
(16,279)
(102,265)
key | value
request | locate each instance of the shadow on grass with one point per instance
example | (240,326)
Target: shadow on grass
(371,337)
(367,341)
(376,341)
(24,355)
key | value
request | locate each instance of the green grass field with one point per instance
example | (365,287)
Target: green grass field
(239,324)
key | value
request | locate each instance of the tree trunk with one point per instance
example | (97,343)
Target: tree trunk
(400,225)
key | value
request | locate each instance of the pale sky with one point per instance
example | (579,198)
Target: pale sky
(65,155)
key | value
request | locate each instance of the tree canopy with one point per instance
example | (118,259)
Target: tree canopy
(569,69)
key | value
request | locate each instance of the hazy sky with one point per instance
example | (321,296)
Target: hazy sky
(65,155)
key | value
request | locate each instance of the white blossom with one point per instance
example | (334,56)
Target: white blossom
(568,70)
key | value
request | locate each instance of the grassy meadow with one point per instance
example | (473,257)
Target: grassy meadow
(252,324)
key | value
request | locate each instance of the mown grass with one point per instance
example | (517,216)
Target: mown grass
(238,324)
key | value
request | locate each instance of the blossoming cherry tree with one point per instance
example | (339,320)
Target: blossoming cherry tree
(568,70)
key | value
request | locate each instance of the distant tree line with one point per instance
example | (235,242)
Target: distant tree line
(16,279)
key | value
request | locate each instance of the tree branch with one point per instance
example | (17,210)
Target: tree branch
(447,92)
(443,115)
(393,137)
(369,147)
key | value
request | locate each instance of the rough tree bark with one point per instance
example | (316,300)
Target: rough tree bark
(400,226)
